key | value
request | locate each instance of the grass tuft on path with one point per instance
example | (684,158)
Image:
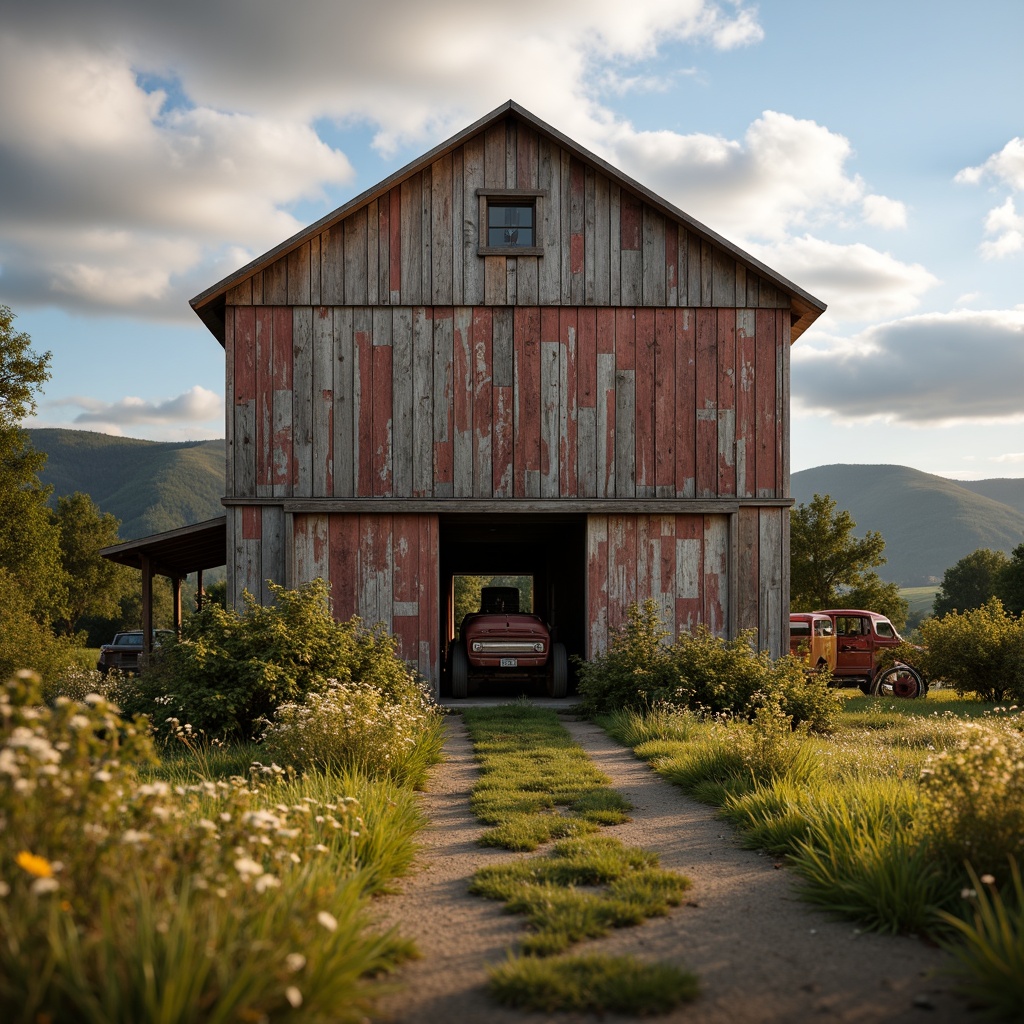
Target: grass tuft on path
(595,984)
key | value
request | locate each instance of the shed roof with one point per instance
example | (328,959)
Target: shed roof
(209,304)
(176,553)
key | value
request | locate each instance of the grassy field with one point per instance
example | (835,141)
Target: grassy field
(920,599)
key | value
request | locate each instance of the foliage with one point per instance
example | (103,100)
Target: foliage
(699,671)
(988,945)
(124,900)
(591,984)
(95,584)
(25,642)
(830,568)
(971,582)
(356,726)
(22,371)
(1010,587)
(980,651)
(230,671)
(972,798)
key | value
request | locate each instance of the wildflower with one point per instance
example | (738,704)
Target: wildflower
(132,837)
(44,885)
(294,962)
(265,882)
(34,865)
(5,889)
(987,880)
(247,867)
(294,996)
(329,921)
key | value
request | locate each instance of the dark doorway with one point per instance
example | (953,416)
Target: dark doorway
(550,549)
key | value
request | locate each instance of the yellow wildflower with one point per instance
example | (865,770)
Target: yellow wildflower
(34,865)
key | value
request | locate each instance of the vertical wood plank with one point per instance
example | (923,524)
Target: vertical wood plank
(664,431)
(411,241)
(746,444)
(362,344)
(401,402)
(689,572)
(343,540)
(726,331)
(323,403)
(483,469)
(615,243)
(405,609)
(772,612)
(707,399)
(606,357)
(568,484)
(597,585)
(441,253)
(549,179)
(502,442)
(645,448)
(244,456)
(589,236)
(272,558)
(473,178)
(764,397)
(549,381)
(344,405)
(383,267)
(462,402)
(426,238)
(631,250)
(671,263)
(275,283)
(654,249)
(444,467)
(356,292)
(586,401)
(459,255)
(229,402)
(282,473)
(381,471)
(422,407)
(527,452)
(373,253)
(716,574)
(264,400)
(748,570)
(602,243)
(332,265)
(429,627)
(686,403)
(622,566)
(577,246)
(302,401)
(693,269)
(723,287)
(249,578)
(298,276)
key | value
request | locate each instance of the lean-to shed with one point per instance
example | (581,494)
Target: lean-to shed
(511,357)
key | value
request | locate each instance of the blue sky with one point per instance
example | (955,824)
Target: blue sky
(871,152)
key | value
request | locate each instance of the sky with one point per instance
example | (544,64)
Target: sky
(871,152)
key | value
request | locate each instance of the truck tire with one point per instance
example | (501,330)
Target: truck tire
(558,671)
(460,671)
(899,681)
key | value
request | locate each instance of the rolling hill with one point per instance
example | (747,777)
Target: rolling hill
(928,522)
(151,486)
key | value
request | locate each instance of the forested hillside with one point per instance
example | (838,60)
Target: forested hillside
(151,486)
(929,523)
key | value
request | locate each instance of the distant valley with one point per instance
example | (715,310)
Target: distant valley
(928,522)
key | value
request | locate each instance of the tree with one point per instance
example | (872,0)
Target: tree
(1010,586)
(829,567)
(95,584)
(22,371)
(970,582)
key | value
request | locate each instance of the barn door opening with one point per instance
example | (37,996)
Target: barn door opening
(543,556)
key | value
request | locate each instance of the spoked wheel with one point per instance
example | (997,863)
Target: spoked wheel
(899,681)
(558,671)
(460,671)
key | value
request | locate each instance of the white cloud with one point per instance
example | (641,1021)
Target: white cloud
(196,405)
(786,174)
(1008,457)
(857,282)
(1007,168)
(928,370)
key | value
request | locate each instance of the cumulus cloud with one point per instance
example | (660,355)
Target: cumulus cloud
(195,405)
(928,370)
(857,282)
(1003,222)
(784,175)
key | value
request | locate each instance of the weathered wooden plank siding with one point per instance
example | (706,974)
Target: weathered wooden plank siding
(383,568)
(682,563)
(503,402)
(416,244)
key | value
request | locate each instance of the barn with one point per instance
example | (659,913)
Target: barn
(509,357)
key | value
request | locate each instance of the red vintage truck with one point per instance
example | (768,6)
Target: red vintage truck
(500,643)
(860,637)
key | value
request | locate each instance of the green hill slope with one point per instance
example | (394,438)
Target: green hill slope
(928,522)
(151,486)
(1010,491)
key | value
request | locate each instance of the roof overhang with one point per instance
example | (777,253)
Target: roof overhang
(210,304)
(176,553)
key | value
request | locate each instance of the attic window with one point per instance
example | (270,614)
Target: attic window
(509,222)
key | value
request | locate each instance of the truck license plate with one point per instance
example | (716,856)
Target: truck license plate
(509,662)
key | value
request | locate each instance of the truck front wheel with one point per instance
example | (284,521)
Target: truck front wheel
(899,681)
(558,671)
(460,671)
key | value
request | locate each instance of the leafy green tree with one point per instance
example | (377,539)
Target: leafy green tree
(829,567)
(95,584)
(1010,586)
(970,582)
(29,540)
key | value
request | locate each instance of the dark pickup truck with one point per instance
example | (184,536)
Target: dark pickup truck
(124,652)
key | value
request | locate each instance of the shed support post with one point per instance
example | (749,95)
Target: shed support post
(176,602)
(199,590)
(147,604)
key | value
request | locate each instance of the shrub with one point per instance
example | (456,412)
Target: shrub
(972,805)
(229,671)
(26,643)
(356,726)
(980,651)
(701,672)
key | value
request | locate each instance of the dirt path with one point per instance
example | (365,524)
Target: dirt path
(762,955)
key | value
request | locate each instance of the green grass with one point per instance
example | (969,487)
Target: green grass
(591,984)
(919,599)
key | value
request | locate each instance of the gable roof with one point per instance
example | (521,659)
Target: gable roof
(209,304)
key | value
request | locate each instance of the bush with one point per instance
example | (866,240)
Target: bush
(230,671)
(26,643)
(972,806)
(701,672)
(357,727)
(980,651)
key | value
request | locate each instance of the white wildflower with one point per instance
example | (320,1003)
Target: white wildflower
(329,921)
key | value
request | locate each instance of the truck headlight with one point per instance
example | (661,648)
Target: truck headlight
(477,646)
(538,647)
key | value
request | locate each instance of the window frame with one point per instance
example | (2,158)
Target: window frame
(486,195)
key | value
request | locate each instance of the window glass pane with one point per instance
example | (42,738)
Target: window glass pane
(510,225)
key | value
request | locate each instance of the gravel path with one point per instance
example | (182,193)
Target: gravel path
(761,955)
